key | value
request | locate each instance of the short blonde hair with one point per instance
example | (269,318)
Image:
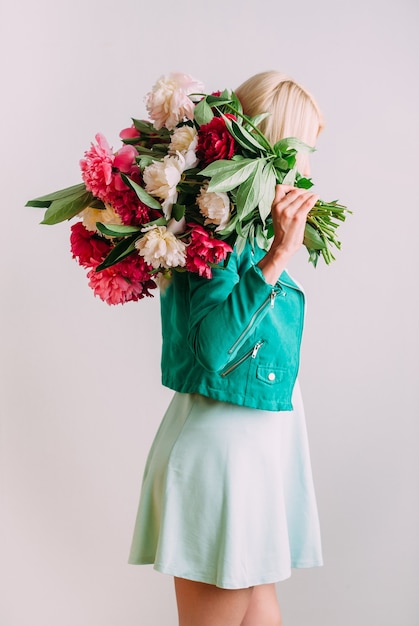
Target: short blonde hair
(294,111)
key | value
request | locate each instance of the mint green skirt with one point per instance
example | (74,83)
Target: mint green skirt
(227,495)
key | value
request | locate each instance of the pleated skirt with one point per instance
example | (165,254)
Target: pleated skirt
(227,495)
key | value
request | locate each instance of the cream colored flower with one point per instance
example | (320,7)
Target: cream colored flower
(161,179)
(185,140)
(168,102)
(163,280)
(160,248)
(106,216)
(215,206)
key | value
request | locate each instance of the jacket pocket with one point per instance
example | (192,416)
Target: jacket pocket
(270,375)
(251,354)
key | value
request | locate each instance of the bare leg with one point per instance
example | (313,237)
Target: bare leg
(200,604)
(263,609)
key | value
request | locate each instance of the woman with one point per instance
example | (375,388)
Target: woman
(227,504)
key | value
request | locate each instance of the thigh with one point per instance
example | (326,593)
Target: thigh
(200,604)
(263,609)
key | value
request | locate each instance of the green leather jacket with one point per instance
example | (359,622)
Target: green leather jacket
(234,338)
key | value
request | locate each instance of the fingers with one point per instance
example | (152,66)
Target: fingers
(293,200)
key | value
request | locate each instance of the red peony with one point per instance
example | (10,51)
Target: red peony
(204,249)
(128,280)
(214,141)
(87,247)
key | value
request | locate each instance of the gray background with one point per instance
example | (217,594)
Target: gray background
(79,381)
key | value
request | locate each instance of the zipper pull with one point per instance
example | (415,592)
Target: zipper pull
(256,349)
(273,295)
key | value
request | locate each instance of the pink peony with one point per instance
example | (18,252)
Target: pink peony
(129,133)
(87,247)
(125,159)
(204,249)
(101,175)
(96,167)
(128,280)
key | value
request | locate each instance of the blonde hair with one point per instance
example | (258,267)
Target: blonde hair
(293,110)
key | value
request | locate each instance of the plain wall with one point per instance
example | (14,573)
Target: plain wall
(79,381)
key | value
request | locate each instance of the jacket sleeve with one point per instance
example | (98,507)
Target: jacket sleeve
(225,309)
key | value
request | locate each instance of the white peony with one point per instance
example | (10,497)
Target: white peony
(168,102)
(161,179)
(163,280)
(215,206)
(160,248)
(106,216)
(185,141)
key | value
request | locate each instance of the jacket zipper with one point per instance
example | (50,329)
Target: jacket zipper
(269,300)
(252,353)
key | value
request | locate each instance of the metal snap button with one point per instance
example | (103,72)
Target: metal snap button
(271,376)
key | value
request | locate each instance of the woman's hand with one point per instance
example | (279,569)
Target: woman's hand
(289,214)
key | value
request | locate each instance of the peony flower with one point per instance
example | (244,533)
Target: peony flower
(168,102)
(161,179)
(101,175)
(163,280)
(128,280)
(96,167)
(215,206)
(198,265)
(88,248)
(160,248)
(214,141)
(129,133)
(204,249)
(185,141)
(106,216)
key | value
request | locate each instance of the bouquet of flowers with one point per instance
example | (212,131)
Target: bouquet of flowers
(181,192)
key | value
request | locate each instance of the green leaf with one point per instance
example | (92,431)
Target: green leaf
(292,143)
(289,178)
(226,175)
(146,128)
(281,164)
(250,191)
(161,221)
(262,239)
(203,112)
(68,192)
(237,105)
(256,120)
(243,137)
(123,249)
(304,183)
(312,239)
(240,244)
(313,256)
(142,194)
(178,211)
(230,227)
(268,195)
(251,235)
(97,204)
(217,101)
(144,161)
(117,230)
(291,159)
(66,208)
